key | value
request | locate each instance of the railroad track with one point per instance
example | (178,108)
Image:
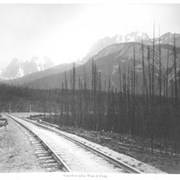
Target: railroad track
(117,163)
(46,155)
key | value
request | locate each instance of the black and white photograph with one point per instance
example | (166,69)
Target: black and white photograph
(90,90)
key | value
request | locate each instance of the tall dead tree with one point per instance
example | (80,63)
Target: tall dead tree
(175,72)
(151,114)
(149,71)
(153,62)
(160,68)
(66,98)
(134,91)
(74,95)
(120,78)
(99,99)
(145,90)
(160,90)
(94,92)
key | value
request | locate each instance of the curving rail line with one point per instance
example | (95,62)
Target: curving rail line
(61,165)
(117,163)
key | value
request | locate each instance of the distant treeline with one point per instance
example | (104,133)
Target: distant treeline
(153,114)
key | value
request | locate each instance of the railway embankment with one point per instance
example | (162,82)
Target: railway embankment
(16,151)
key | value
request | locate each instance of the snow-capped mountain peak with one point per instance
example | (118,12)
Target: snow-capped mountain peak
(18,68)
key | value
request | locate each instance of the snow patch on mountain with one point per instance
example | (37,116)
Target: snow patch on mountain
(20,72)
(19,68)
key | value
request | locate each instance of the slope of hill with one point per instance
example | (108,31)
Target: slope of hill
(18,68)
(107,41)
(107,61)
(108,54)
(166,38)
(40,74)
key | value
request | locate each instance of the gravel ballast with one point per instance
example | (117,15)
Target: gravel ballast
(16,151)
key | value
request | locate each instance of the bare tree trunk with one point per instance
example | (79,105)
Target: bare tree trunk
(160,69)
(149,70)
(153,63)
(74,96)
(153,93)
(145,92)
(175,72)
(167,75)
(134,92)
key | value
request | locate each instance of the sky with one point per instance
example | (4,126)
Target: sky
(65,32)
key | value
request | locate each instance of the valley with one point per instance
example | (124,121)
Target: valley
(90,88)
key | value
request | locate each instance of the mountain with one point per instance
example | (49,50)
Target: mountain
(135,36)
(18,68)
(33,68)
(40,74)
(168,38)
(107,61)
(107,41)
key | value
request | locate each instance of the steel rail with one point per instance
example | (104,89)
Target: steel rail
(60,162)
(118,163)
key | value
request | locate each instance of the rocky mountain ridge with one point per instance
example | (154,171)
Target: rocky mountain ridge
(18,68)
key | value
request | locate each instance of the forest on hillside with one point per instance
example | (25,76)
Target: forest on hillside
(150,111)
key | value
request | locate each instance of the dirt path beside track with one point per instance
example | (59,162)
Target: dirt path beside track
(16,151)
